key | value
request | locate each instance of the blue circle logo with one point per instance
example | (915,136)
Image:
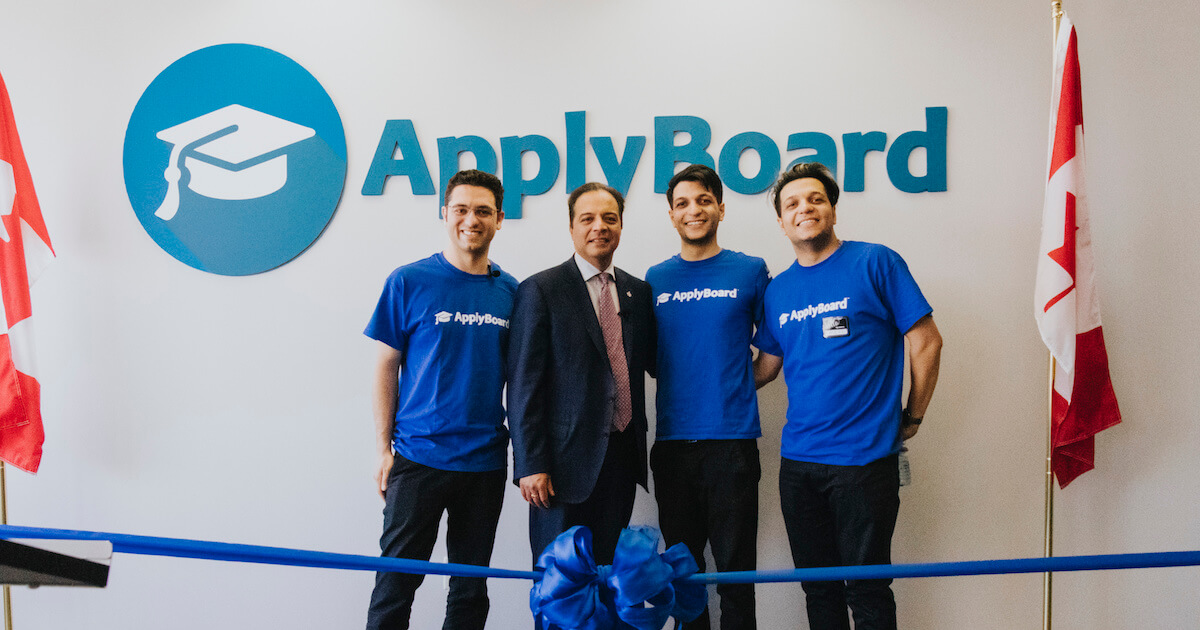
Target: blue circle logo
(234,159)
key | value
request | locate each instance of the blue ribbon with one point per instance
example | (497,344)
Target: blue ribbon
(576,594)
(232,552)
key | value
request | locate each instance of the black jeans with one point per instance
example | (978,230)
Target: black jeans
(415,499)
(707,493)
(838,516)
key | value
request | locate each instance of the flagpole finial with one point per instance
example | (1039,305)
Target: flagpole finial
(1056,13)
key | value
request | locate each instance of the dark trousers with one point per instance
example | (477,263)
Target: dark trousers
(842,515)
(707,493)
(413,504)
(606,511)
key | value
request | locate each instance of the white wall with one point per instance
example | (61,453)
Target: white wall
(179,403)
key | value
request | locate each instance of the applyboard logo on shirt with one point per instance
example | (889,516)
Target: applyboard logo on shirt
(234,159)
(812,310)
(469,319)
(696,294)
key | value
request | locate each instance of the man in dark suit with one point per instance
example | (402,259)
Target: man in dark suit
(582,337)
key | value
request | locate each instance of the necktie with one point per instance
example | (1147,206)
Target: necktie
(610,324)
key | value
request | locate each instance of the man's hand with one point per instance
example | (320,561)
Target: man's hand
(908,430)
(385,468)
(537,489)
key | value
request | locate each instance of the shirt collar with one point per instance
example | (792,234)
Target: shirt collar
(589,271)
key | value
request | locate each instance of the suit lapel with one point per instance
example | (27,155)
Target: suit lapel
(581,300)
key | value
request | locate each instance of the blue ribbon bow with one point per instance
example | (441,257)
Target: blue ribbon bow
(576,594)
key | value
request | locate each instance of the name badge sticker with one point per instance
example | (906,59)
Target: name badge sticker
(835,326)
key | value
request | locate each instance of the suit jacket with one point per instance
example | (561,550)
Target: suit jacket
(560,386)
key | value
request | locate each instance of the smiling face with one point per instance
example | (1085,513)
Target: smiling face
(806,215)
(596,227)
(471,219)
(695,213)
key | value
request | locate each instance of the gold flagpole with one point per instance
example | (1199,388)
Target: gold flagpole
(1048,577)
(1056,13)
(4,521)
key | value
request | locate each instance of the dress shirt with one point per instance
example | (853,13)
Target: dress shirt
(591,278)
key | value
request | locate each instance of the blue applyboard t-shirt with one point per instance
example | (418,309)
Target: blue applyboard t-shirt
(707,311)
(452,328)
(839,326)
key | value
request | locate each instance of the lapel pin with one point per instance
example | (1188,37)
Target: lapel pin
(629,294)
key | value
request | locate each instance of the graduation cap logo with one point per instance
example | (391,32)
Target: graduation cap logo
(233,153)
(234,159)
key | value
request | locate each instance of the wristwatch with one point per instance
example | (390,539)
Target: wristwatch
(907,419)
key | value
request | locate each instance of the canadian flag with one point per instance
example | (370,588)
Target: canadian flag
(24,252)
(1067,307)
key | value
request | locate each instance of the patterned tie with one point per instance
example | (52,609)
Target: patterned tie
(610,323)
